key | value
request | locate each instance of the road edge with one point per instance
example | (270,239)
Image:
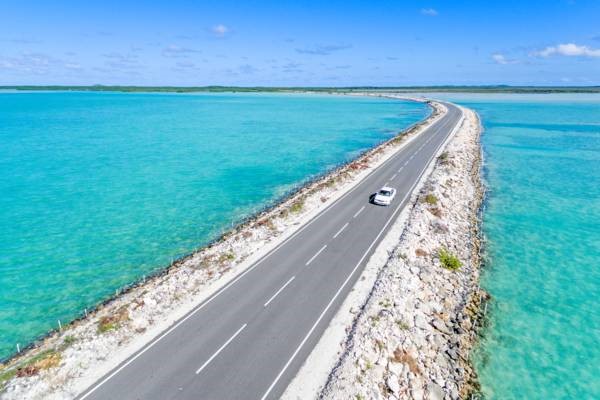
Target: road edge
(316,370)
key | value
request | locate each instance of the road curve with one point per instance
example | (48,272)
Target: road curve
(249,339)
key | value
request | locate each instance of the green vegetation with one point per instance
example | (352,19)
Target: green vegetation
(226,257)
(113,322)
(6,375)
(449,260)
(374,320)
(106,325)
(69,340)
(431,199)
(29,367)
(297,206)
(349,89)
(402,325)
(385,303)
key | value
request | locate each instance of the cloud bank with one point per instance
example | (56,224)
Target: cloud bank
(431,12)
(568,50)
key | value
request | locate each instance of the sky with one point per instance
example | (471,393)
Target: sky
(300,43)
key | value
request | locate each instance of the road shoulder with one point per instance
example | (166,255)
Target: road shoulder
(407,326)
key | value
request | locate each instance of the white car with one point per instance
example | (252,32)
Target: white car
(385,196)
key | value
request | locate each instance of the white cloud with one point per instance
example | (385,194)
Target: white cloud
(174,51)
(568,50)
(220,30)
(501,59)
(36,63)
(324,49)
(432,12)
(73,66)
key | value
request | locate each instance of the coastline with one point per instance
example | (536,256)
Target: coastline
(411,336)
(60,365)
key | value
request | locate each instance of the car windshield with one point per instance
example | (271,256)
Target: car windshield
(385,193)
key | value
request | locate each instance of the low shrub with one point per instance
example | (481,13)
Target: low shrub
(431,199)
(402,325)
(113,322)
(297,206)
(449,260)
(69,340)
(45,360)
(226,258)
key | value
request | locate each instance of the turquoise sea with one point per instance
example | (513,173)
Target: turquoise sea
(542,225)
(98,189)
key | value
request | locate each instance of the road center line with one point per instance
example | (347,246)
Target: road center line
(401,168)
(341,229)
(435,128)
(220,349)
(394,177)
(409,193)
(279,291)
(316,254)
(358,212)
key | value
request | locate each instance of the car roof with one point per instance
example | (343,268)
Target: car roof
(387,188)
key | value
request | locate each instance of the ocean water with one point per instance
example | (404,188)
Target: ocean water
(98,189)
(542,225)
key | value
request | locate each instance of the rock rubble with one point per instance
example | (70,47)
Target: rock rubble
(413,336)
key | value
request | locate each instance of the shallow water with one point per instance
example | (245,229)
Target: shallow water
(541,222)
(98,189)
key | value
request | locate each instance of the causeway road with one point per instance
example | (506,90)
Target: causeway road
(249,339)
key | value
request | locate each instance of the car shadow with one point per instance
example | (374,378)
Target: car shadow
(372,199)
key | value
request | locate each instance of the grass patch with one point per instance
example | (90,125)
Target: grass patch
(69,340)
(226,257)
(385,303)
(297,206)
(6,376)
(113,322)
(402,325)
(431,199)
(449,260)
(45,360)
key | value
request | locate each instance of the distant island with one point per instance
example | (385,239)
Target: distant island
(350,89)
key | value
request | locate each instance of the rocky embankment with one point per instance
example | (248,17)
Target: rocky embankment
(67,362)
(413,336)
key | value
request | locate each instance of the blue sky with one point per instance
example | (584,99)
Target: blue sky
(333,43)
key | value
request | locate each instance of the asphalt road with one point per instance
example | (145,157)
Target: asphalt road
(250,339)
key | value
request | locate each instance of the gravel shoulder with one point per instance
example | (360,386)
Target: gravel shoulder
(412,336)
